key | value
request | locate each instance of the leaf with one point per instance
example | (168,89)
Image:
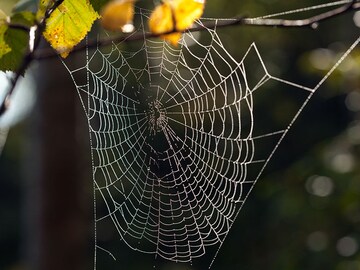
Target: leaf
(69,24)
(161,21)
(25,18)
(186,12)
(175,15)
(4,47)
(16,41)
(118,15)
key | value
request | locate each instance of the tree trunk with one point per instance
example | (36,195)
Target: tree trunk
(58,196)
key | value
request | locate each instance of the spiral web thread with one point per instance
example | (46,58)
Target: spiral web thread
(175,141)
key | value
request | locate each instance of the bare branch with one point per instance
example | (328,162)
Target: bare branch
(352,6)
(19,27)
(259,22)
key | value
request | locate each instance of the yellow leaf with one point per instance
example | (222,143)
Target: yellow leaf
(176,15)
(186,12)
(118,15)
(69,24)
(161,21)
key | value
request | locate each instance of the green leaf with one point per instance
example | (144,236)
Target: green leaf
(14,42)
(69,24)
(17,40)
(4,47)
(25,18)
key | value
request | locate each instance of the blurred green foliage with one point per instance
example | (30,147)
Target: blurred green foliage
(304,212)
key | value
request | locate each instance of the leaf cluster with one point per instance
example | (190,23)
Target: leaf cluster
(65,23)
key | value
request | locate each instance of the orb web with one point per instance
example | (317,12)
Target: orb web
(175,139)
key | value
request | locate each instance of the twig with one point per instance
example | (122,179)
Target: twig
(29,56)
(19,27)
(354,5)
(351,6)
(49,53)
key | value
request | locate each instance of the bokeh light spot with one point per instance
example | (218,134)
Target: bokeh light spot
(353,133)
(353,101)
(321,186)
(356,18)
(347,246)
(317,241)
(343,163)
(322,58)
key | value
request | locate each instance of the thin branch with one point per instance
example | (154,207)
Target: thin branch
(29,56)
(351,6)
(267,22)
(312,22)
(19,27)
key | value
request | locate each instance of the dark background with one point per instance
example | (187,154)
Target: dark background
(292,220)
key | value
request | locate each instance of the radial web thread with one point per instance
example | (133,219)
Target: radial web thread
(175,139)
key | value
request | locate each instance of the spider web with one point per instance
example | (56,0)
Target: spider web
(176,141)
